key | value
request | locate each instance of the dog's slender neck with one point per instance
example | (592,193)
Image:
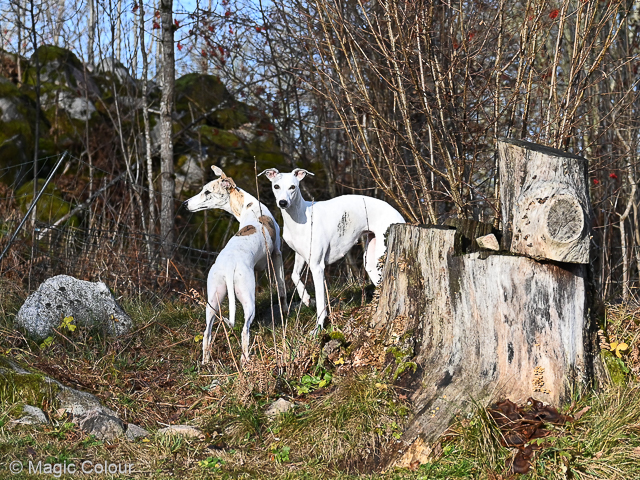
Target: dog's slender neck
(297,210)
(240,203)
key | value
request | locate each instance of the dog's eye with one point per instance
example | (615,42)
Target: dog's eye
(276,187)
(207,192)
(292,187)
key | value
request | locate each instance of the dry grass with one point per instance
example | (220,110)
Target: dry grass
(153,377)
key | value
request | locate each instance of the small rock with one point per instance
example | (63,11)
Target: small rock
(78,403)
(102,425)
(33,416)
(184,430)
(89,303)
(134,431)
(279,406)
(488,242)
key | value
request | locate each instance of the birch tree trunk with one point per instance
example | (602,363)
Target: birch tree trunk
(147,125)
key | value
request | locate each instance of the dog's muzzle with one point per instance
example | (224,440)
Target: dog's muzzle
(283,204)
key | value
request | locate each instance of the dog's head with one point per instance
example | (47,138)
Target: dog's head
(285,186)
(215,194)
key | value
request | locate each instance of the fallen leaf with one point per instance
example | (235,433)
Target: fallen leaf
(581,413)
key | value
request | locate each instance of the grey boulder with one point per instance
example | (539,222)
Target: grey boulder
(134,431)
(32,416)
(100,424)
(89,303)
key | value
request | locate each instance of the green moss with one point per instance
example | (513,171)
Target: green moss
(51,205)
(201,92)
(232,117)
(53,61)
(220,138)
(266,151)
(25,388)
(615,366)
(8,89)
(338,335)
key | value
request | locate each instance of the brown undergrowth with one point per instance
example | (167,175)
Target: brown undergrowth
(341,417)
(344,413)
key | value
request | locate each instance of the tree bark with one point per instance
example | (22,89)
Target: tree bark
(463,330)
(166,120)
(147,125)
(545,202)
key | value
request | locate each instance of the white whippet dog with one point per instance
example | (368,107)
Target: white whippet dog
(322,233)
(248,250)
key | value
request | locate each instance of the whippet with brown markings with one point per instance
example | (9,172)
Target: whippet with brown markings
(249,250)
(322,233)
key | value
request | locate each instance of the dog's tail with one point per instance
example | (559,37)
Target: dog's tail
(231,293)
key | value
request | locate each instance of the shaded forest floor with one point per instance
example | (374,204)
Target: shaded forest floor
(345,413)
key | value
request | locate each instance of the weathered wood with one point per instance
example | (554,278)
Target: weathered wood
(468,230)
(545,202)
(488,242)
(477,330)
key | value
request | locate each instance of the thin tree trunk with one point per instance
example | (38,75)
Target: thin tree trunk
(92,28)
(166,142)
(147,129)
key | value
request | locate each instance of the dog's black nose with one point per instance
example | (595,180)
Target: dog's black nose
(282,203)
(185,204)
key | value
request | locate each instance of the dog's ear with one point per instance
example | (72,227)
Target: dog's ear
(270,173)
(218,171)
(228,184)
(300,173)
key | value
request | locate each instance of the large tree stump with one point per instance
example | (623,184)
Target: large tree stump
(545,202)
(466,331)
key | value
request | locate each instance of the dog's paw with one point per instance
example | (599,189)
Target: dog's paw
(311,303)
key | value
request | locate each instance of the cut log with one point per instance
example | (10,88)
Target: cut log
(544,201)
(465,331)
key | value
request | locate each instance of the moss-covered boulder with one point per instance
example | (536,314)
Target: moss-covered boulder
(222,130)
(22,385)
(17,121)
(51,207)
(60,67)
(200,93)
(68,93)
(19,386)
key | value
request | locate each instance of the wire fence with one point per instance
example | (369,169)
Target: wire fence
(88,223)
(94,225)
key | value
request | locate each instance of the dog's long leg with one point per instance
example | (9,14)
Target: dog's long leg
(297,279)
(245,283)
(371,259)
(317,271)
(279,268)
(215,296)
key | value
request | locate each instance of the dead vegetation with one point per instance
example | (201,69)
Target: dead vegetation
(336,429)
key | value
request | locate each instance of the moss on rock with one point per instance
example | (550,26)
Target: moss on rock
(21,386)
(51,206)
(199,92)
